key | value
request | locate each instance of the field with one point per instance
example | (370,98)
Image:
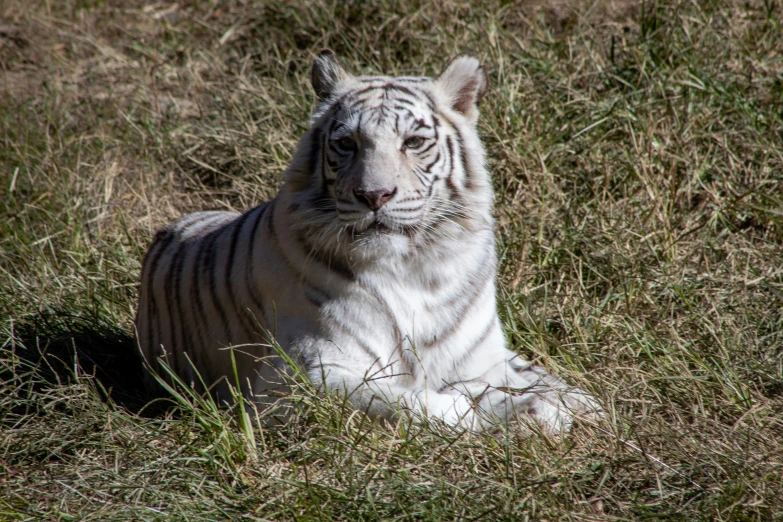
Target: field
(637,156)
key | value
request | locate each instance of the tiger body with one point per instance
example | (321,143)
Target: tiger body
(374,267)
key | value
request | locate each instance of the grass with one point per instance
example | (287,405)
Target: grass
(637,155)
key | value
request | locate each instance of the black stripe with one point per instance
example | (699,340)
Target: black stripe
(463,154)
(328,113)
(468,298)
(315,148)
(359,124)
(153,302)
(332,263)
(321,202)
(396,87)
(167,236)
(408,113)
(210,263)
(450,146)
(250,284)
(335,322)
(287,261)
(325,181)
(431,105)
(428,168)
(334,124)
(404,101)
(486,332)
(387,309)
(431,187)
(396,332)
(174,324)
(316,297)
(407,362)
(483,272)
(358,93)
(424,151)
(187,339)
(436,126)
(464,160)
(363,104)
(422,177)
(455,192)
(368,80)
(471,350)
(200,322)
(228,274)
(421,125)
(412,79)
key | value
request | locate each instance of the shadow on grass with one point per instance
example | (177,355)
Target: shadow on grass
(61,347)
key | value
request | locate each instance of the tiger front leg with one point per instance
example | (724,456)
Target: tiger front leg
(513,390)
(530,392)
(517,390)
(382,396)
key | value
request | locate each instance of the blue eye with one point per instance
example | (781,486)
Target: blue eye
(414,142)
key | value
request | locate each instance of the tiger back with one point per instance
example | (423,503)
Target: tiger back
(374,267)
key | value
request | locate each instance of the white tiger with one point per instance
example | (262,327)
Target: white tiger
(374,267)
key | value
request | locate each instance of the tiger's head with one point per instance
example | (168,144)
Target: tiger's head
(391,164)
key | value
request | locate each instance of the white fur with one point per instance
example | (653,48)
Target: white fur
(397,321)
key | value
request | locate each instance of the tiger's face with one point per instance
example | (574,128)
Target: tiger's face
(391,162)
(384,162)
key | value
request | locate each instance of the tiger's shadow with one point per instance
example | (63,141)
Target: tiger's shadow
(57,348)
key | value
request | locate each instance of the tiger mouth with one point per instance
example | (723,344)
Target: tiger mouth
(377,226)
(380,228)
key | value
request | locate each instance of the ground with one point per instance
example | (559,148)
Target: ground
(637,155)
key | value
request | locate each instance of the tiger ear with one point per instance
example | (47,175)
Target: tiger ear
(326,74)
(464,82)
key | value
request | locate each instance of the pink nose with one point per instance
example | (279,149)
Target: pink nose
(374,199)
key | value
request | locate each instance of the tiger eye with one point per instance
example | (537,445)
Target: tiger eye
(414,142)
(346,143)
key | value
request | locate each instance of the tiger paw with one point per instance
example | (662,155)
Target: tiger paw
(555,410)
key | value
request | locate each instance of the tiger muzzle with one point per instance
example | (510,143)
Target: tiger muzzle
(374,199)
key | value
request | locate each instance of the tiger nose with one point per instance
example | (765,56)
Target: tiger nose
(374,199)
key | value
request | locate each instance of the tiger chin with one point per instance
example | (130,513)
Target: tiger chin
(373,269)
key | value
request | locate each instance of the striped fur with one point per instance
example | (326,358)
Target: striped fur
(374,267)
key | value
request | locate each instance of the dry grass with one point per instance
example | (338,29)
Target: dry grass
(637,149)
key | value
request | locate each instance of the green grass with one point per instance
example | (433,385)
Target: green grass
(637,155)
